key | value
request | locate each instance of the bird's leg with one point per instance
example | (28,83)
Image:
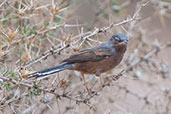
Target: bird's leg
(105,75)
(82,74)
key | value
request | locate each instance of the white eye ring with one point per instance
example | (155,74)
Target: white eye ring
(116,39)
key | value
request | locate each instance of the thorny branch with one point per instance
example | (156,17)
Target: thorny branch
(86,36)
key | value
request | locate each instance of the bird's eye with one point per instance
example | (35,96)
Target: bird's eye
(116,40)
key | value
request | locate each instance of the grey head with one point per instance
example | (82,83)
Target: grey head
(117,39)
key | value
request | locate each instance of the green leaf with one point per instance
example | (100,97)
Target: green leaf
(36,93)
(31,94)
(116,8)
(16,5)
(57,19)
(27,30)
(5,73)
(13,74)
(36,86)
(7,85)
(101,12)
(5,18)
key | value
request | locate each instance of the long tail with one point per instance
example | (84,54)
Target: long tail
(44,73)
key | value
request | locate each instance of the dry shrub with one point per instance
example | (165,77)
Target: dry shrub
(38,34)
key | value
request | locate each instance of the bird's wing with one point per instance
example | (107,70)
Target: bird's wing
(95,54)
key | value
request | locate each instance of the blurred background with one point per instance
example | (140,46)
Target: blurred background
(37,34)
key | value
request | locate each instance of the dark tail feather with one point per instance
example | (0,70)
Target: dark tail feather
(44,73)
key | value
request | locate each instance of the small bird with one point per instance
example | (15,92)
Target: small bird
(96,60)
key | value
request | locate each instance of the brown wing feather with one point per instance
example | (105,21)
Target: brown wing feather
(88,55)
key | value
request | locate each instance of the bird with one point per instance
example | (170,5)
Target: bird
(95,60)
